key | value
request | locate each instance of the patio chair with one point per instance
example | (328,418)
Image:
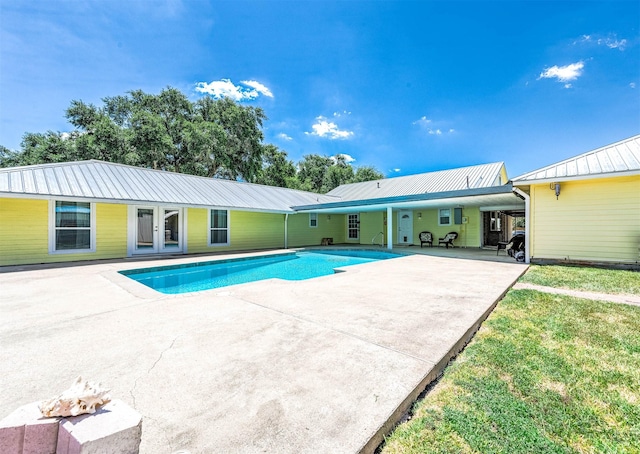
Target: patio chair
(426,238)
(448,239)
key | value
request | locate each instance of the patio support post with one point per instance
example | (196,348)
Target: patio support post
(389,228)
(527,224)
(286,232)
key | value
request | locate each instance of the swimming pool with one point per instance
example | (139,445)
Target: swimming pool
(194,277)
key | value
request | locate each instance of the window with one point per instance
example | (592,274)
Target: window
(444,216)
(495,225)
(219,228)
(353,226)
(313,219)
(72,227)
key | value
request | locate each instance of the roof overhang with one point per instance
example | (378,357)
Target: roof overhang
(561,179)
(487,199)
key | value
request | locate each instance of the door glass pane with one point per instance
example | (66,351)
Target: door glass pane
(145,228)
(353,226)
(171,229)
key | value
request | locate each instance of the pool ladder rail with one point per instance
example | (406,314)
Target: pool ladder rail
(381,235)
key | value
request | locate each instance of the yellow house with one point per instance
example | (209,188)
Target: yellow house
(586,209)
(97,210)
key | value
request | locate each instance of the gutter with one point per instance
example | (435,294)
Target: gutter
(527,224)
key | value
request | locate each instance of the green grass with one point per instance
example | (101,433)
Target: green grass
(545,374)
(587,279)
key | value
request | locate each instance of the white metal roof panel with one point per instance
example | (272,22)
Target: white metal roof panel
(480,176)
(120,183)
(619,157)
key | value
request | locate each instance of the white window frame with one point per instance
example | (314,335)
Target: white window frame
(313,220)
(53,229)
(440,216)
(356,229)
(210,228)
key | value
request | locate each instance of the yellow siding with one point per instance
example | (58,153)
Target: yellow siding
(468,234)
(24,233)
(371,224)
(592,220)
(111,231)
(329,226)
(248,230)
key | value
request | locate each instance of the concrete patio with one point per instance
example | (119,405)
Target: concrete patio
(323,365)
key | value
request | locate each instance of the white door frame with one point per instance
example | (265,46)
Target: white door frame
(405,237)
(160,240)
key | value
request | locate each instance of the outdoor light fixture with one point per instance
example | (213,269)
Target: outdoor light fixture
(555,186)
(328,217)
(419,215)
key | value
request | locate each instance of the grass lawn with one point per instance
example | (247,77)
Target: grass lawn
(544,374)
(586,279)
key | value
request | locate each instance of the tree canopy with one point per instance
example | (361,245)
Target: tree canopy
(208,137)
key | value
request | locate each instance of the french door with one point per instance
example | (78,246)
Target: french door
(156,230)
(353,226)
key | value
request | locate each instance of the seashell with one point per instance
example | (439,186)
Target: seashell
(82,397)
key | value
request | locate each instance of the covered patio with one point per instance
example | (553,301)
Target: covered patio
(466,210)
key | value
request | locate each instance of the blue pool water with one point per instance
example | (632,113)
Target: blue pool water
(194,277)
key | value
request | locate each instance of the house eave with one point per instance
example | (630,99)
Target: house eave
(13,195)
(404,200)
(560,179)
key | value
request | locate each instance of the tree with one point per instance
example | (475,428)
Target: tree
(311,171)
(366,173)
(166,131)
(9,158)
(339,173)
(277,170)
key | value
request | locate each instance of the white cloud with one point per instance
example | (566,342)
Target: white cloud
(324,128)
(347,158)
(283,136)
(224,88)
(563,73)
(257,86)
(427,125)
(632,85)
(396,170)
(423,121)
(339,114)
(611,41)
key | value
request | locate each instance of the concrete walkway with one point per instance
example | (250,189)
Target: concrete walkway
(323,365)
(621,298)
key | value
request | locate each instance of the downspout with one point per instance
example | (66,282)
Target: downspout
(389,228)
(527,224)
(286,232)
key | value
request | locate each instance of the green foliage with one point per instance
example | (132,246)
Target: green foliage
(210,138)
(323,173)
(277,169)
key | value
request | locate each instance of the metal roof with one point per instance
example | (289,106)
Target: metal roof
(474,177)
(98,180)
(619,158)
(488,198)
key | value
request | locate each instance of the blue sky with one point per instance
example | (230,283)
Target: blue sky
(404,86)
